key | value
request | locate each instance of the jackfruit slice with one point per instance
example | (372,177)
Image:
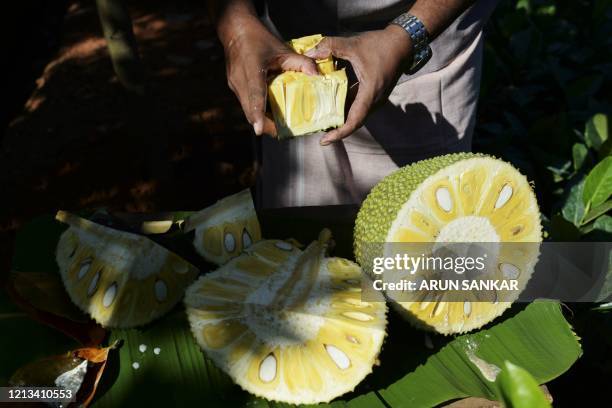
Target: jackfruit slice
(302,103)
(304,44)
(120,279)
(286,324)
(457,198)
(225,229)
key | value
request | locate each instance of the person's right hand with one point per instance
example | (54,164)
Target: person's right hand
(250,54)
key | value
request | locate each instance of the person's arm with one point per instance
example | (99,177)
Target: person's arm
(250,52)
(376,57)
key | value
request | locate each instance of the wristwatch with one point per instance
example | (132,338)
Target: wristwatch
(421,50)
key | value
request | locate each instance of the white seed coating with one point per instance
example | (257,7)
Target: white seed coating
(229,242)
(246,239)
(467,308)
(142,348)
(156,350)
(338,356)
(285,246)
(267,369)
(509,271)
(504,195)
(84,269)
(135,365)
(161,290)
(444,200)
(109,295)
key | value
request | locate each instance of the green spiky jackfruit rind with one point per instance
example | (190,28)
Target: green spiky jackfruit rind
(382,205)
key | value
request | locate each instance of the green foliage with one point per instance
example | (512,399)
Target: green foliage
(545,107)
(466,365)
(598,184)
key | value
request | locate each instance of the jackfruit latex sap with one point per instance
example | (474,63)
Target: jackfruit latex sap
(303,104)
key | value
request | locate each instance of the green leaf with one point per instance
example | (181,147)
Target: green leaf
(603,223)
(178,376)
(519,389)
(524,4)
(538,338)
(596,131)
(597,211)
(598,184)
(573,207)
(579,154)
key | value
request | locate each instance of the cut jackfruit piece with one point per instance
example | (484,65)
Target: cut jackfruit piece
(457,198)
(120,279)
(225,229)
(304,44)
(302,103)
(286,324)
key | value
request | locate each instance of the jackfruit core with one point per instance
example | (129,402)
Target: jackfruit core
(303,104)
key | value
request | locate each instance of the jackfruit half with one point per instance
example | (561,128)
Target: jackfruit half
(286,324)
(302,103)
(120,279)
(457,198)
(225,229)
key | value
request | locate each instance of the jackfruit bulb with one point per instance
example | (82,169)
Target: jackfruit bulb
(120,279)
(445,201)
(286,324)
(303,104)
(225,229)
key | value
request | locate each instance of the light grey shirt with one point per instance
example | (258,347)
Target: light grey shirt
(294,19)
(429,113)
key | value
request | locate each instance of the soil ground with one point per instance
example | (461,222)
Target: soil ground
(83,141)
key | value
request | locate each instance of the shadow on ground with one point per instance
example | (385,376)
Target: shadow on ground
(83,141)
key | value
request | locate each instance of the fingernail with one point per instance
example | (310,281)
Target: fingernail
(258,128)
(324,141)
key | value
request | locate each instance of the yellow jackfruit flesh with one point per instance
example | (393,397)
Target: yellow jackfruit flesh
(457,198)
(286,324)
(120,279)
(303,104)
(225,229)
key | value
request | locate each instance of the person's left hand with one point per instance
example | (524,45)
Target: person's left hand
(376,57)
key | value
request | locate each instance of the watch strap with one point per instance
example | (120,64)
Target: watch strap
(421,50)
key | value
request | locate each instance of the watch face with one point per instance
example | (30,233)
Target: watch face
(420,59)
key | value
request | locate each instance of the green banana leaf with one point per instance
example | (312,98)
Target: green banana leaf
(23,340)
(414,370)
(537,338)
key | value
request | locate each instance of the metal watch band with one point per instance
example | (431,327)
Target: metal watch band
(420,40)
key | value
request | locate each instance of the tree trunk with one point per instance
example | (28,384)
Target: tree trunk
(121,43)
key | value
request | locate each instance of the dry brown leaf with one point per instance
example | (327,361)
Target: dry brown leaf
(45,372)
(42,295)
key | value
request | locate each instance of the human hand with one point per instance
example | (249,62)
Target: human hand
(250,54)
(376,57)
